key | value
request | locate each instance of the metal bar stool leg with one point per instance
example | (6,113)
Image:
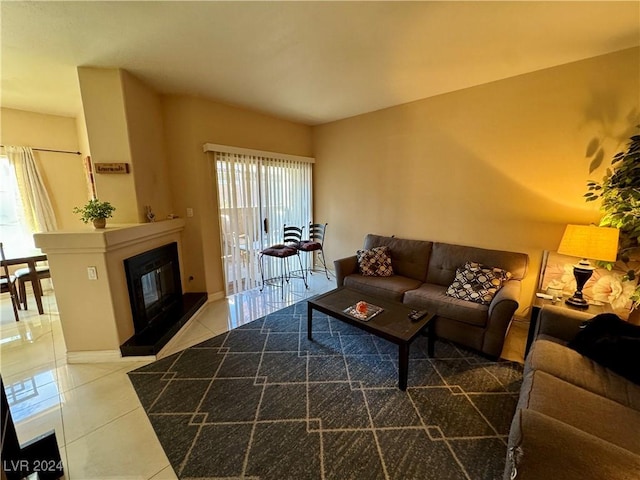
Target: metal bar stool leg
(324,263)
(261,265)
(304,278)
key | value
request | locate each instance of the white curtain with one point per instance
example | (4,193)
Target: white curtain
(240,224)
(35,199)
(256,197)
(286,187)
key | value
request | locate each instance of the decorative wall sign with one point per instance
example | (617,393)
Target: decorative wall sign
(111,167)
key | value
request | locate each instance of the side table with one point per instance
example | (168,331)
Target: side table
(537,305)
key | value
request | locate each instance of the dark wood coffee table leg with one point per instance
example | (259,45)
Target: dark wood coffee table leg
(431,338)
(309,321)
(403,365)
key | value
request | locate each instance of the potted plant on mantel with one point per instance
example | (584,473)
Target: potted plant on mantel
(96,212)
(620,194)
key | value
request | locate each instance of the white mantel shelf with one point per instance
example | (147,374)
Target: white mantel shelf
(115,236)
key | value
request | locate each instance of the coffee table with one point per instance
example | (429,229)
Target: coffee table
(392,323)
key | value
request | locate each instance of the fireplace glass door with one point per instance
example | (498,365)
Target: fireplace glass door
(157,285)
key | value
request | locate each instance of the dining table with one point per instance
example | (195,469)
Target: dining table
(30,260)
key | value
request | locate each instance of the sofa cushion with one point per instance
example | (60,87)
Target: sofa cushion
(477,283)
(576,406)
(409,258)
(434,299)
(447,258)
(567,364)
(375,262)
(613,343)
(541,447)
(386,287)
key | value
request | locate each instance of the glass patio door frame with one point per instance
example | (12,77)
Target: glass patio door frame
(258,192)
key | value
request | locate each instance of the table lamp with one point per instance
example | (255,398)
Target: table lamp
(587,242)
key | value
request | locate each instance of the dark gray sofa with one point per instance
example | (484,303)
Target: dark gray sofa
(422,272)
(575,419)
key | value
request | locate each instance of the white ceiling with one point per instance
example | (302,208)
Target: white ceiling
(311,62)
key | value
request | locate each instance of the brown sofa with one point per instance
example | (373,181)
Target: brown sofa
(575,419)
(422,272)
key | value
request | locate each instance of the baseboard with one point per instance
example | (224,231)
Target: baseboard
(214,297)
(94,356)
(104,356)
(521,320)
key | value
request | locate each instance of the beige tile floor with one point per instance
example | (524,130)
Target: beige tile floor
(101,428)
(100,425)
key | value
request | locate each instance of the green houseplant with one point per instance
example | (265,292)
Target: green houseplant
(619,191)
(96,212)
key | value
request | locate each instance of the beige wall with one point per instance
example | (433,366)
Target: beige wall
(190,123)
(83,139)
(63,173)
(86,308)
(106,122)
(500,165)
(124,124)
(148,155)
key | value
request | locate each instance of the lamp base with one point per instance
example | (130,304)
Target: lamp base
(582,271)
(577,302)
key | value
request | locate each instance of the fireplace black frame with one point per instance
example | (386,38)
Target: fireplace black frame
(162,265)
(153,329)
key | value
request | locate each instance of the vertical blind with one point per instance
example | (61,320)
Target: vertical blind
(257,196)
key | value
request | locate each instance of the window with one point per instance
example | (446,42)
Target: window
(14,233)
(257,196)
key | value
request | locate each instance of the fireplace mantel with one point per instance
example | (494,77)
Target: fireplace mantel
(95,314)
(106,239)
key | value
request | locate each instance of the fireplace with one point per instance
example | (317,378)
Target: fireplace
(153,279)
(158,306)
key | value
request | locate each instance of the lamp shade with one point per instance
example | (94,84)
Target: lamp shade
(591,242)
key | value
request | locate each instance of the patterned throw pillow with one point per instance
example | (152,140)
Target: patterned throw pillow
(375,262)
(477,283)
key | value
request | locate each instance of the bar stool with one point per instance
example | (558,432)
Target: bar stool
(315,243)
(291,238)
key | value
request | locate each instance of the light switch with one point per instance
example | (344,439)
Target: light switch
(189,212)
(92,273)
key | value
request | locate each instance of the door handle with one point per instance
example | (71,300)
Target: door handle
(265,225)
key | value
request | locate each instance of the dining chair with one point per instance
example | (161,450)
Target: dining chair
(22,276)
(315,243)
(291,237)
(8,284)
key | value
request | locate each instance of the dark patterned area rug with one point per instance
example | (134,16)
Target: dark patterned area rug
(262,402)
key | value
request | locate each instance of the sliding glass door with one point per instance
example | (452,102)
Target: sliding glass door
(257,196)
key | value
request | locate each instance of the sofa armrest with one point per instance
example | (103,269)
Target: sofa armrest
(509,293)
(343,267)
(542,447)
(559,322)
(501,310)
